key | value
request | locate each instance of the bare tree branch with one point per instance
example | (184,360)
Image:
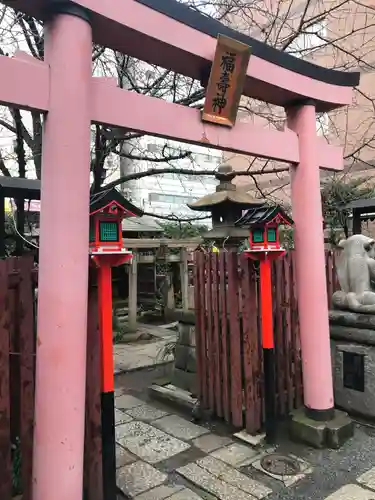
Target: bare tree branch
(186,171)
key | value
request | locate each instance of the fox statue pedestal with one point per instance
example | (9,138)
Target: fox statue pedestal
(353,359)
(352,326)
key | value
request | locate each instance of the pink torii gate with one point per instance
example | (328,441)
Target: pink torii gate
(171,35)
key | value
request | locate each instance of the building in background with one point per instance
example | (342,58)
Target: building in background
(335,35)
(168,194)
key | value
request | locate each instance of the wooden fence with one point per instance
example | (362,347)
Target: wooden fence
(17,379)
(229,351)
(331,276)
(17,365)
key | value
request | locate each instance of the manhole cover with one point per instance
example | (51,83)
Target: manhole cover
(280,465)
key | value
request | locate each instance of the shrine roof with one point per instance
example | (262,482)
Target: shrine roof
(144,224)
(13,187)
(359,204)
(210,26)
(174,36)
(263,215)
(100,200)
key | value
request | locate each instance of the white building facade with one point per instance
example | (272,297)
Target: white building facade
(168,194)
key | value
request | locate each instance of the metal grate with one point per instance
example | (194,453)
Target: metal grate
(108,231)
(280,465)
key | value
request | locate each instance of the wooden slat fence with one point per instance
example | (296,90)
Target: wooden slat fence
(17,377)
(229,352)
(17,366)
(331,276)
(229,356)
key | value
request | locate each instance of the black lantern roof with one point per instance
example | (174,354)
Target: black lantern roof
(226,193)
(264,215)
(99,201)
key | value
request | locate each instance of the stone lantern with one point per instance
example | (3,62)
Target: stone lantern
(226,205)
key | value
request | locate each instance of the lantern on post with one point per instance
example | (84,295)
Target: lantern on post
(226,205)
(107,211)
(263,223)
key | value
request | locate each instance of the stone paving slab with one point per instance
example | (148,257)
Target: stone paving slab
(160,492)
(235,454)
(352,492)
(180,427)
(120,431)
(368,479)
(253,440)
(127,402)
(121,417)
(211,442)
(331,469)
(131,357)
(232,476)
(138,477)
(158,331)
(123,457)
(185,494)
(149,443)
(206,481)
(146,413)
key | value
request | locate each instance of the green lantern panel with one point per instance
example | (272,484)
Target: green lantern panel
(92,231)
(108,231)
(271,235)
(258,236)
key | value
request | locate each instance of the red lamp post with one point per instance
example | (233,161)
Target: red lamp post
(264,223)
(107,210)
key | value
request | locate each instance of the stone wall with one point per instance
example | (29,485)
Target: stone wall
(185,370)
(353,361)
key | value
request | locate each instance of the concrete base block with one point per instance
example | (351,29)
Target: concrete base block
(329,434)
(339,430)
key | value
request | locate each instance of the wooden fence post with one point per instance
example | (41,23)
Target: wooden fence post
(5,440)
(184,278)
(133,306)
(27,362)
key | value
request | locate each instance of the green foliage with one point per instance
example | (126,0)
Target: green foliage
(182,230)
(169,349)
(119,330)
(338,192)
(178,231)
(10,235)
(286,235)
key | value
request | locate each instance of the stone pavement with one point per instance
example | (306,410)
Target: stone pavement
(161,455)
(138,355)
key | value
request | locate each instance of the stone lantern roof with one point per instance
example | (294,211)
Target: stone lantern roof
(226,205)
(226,192)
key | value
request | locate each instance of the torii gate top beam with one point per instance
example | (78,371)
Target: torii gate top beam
(172,35)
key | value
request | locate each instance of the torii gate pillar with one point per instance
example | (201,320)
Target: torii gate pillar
(63,270)
(323,424)
(310,267)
